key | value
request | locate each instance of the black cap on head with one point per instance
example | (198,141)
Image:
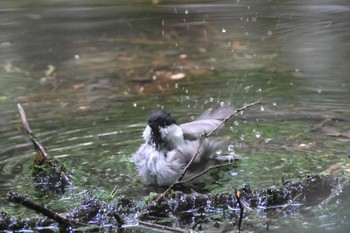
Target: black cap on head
(159,119)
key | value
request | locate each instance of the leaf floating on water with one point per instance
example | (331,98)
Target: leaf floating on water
(177,76)
(50,70)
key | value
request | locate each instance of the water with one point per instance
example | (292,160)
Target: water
(88,75)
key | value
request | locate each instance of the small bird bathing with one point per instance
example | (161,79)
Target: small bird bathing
(169,147)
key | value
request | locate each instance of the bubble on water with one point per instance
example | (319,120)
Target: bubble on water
(269,33)
(187,11)
(274,104)
(76,56)
(223,30)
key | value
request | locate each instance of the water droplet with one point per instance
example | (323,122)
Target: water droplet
(76,56)
(319,91)
(154,77)
(222,104)
(257,134)
(233,173)
(262,108)
(269,33)
(274,104)
(223,30)
(218,152)
(186,11)
(211,99)
(176,85)
(236,123)
(134,104)
(247,88)
(258,90)
(231,148)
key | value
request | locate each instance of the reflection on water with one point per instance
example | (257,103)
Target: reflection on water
(89,75)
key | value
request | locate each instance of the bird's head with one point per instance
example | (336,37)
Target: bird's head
(157,124)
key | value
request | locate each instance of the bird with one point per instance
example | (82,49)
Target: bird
(168,147)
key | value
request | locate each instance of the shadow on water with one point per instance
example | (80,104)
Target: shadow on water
(89,74)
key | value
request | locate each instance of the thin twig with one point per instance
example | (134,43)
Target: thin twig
(241,109)
(206,135)
(191,161)
(202,137)
(161,227)
(203,172)
(19,199)
(238,198)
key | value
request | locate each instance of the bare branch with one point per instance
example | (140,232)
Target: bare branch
(161,227)
(204,172)
(204,136)
(42,150)
(16,198)
(241,109)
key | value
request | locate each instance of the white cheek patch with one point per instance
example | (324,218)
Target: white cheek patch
(173,134)
(147,134)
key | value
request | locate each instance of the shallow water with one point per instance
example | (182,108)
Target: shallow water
(113,64)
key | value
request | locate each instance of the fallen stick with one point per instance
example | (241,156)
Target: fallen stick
(16,198)
(161,227)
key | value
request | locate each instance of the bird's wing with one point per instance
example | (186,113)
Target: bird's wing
(207,122)
(193,130)
(205,150)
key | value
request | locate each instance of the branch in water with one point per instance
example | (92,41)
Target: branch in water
(37,145)
(203,136)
